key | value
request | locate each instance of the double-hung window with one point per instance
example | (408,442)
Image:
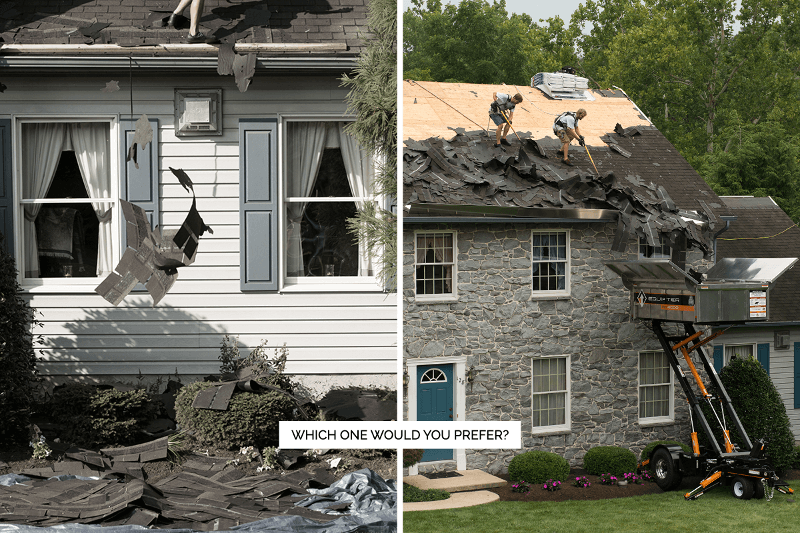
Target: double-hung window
(328,177)
(550,263)
(741,351)
(551,394)
(66,200)
(435,265)
(656,389)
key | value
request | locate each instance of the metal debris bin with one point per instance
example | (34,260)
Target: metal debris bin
(733,291)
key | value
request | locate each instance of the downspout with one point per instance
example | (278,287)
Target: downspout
(728,221)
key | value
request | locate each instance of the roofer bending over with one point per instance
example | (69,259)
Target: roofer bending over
(503,104)
(566,128)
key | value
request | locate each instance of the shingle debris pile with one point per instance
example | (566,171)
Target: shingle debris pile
(469,170)
(143,23)
(109,488)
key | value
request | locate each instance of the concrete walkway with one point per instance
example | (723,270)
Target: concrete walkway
(465,490)
(456,499)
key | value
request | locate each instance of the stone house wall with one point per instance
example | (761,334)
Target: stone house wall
(499,327)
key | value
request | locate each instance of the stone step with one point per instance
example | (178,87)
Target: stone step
(469,480)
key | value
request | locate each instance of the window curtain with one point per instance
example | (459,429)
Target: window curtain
(91,143)
(306,141)
(41,151)
(360,168)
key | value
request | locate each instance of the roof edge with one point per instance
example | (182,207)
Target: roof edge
(165,49)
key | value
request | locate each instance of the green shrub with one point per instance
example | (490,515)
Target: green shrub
(411,457)
(760,408)
(102,417)
(18,378)
(650,447)
(415,494)
(538,467)
(796,463)
(609,460)
(250,420)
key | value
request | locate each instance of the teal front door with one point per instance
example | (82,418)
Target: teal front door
(435,402)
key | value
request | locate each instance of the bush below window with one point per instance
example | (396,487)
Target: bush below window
(251,419)
(538,467)
(609,459)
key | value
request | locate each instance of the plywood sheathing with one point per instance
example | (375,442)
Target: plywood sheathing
(433,117)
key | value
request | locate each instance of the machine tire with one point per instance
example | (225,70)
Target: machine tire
(664,470)
(742,488)
(758,489)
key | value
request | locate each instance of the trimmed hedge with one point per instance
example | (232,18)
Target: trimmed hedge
(609,460)
(760,408)
(415,494)
(650,447)
(250,420)
(538,467)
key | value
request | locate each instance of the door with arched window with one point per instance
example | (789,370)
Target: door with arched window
(435,402)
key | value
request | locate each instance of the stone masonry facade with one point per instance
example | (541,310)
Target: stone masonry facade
(500,327)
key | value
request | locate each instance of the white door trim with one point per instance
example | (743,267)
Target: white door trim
(459,401)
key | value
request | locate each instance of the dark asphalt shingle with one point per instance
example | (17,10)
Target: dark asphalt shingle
(139,22)
(760,230)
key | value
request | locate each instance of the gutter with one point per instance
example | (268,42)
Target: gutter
(67,65)
(496,220)
(728,220)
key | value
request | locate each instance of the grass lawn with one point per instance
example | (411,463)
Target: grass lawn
(715,511)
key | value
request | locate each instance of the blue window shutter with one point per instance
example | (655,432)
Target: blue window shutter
(140,186)
(797,375)
(763,356)
(258,204)
(6,187)
(718,359)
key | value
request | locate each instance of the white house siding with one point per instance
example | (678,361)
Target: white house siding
(326,332)
(781,363)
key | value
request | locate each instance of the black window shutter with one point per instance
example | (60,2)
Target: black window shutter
(6,187)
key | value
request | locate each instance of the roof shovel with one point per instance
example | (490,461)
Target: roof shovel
(522,158)
(590,159)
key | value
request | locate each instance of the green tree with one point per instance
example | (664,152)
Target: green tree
(478,42)
(760,159)
(17,356)
(373,99)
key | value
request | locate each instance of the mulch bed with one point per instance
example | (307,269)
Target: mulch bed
(596,491)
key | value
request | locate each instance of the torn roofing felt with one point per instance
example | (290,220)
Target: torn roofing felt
(142,23)
(641,177)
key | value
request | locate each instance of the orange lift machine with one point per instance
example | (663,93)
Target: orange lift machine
(734,291)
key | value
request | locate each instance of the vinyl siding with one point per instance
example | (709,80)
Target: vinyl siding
(325,332)
(781,364)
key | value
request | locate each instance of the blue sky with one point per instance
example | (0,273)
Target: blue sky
(537,9)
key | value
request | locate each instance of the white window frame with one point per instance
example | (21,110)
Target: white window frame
(566,427)
(671,394)
(449,297)
(663,242)
(551,294)
(75,284)
(317,283)
(727,359)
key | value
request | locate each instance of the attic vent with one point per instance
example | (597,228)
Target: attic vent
(198,112)
(562,86)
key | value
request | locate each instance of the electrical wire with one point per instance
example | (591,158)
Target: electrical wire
(537,107)
(756,238)
(445,103)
